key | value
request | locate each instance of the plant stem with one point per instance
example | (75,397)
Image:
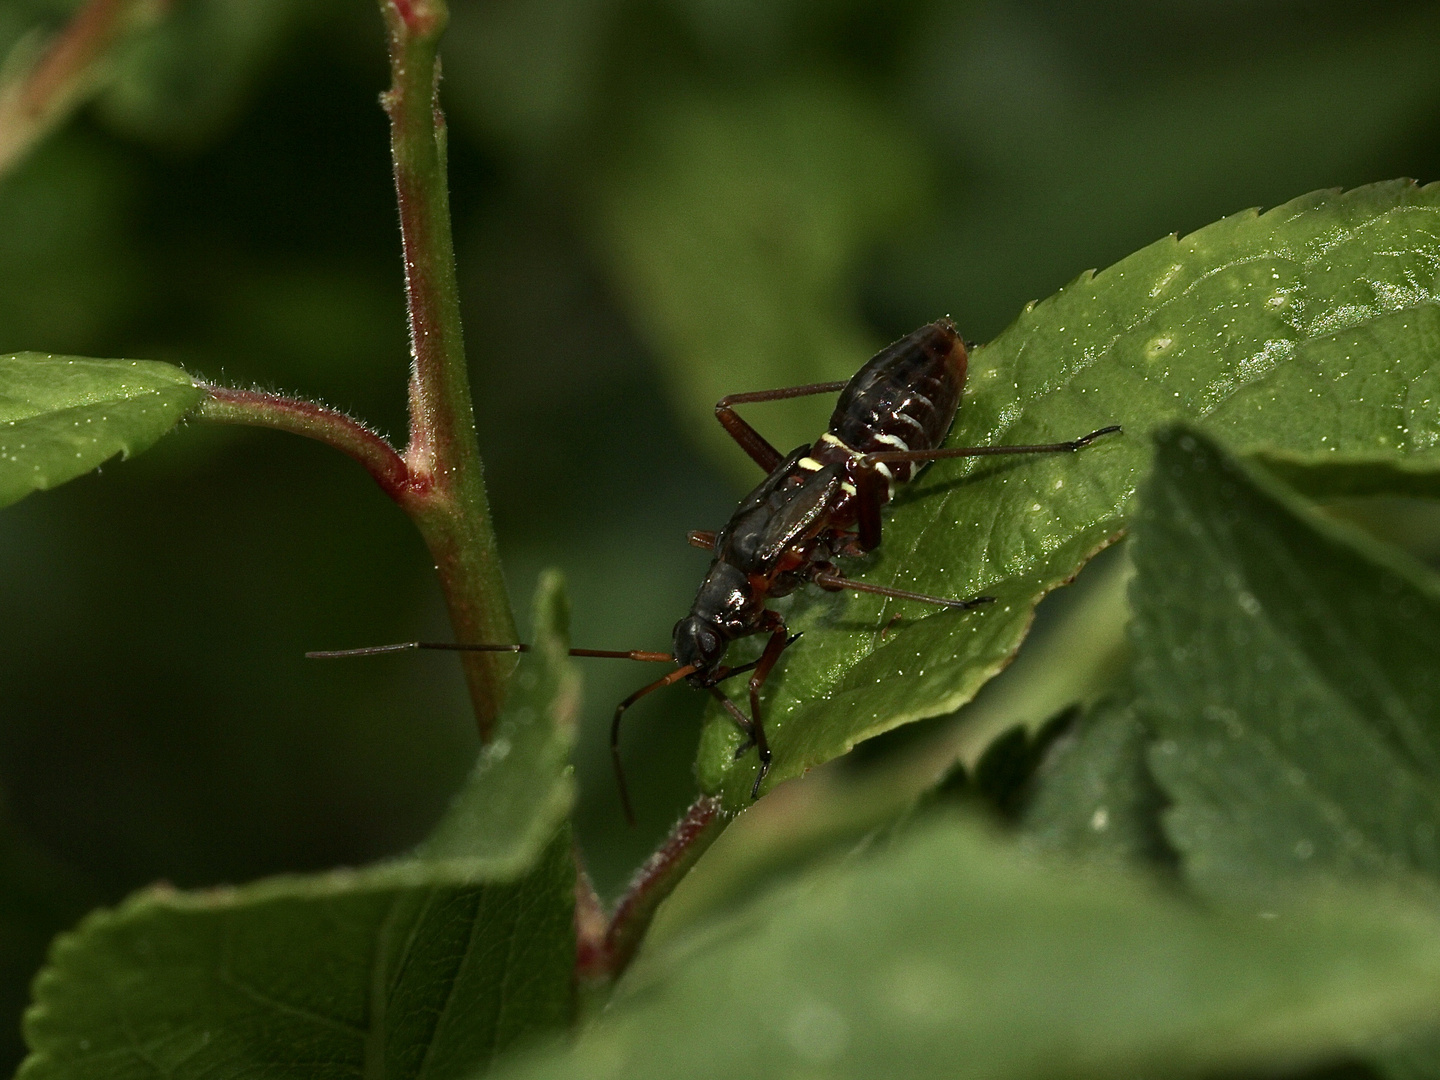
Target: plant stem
(597,962)
(443,456)
(38,96)
(346,434)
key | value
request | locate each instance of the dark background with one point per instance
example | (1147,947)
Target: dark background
(656,202)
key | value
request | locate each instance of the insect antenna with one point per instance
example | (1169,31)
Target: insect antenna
(600,654)
(458,646)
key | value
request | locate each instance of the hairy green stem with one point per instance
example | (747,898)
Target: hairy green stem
(443,456)
(42,93)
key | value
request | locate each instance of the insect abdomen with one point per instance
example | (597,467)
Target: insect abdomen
(905,397)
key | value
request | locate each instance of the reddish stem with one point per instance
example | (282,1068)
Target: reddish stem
(313,420)
(444,452)
(406,12)
(591,926)
(598,962)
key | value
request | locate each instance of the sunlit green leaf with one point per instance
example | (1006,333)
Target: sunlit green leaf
(426,966)
(950,954)
(1308,329)
(60,416)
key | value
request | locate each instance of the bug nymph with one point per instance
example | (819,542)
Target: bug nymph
(819,503)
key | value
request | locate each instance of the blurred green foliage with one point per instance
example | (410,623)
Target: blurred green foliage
(656,201)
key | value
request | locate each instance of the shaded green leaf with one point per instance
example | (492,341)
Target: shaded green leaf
(1336,475)
(1261,326)
(523,786)
(414,969)
(61,416)
(1287,665)
(950,954)
(1094,795)
(427,966)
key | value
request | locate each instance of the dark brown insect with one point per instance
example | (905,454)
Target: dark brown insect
(816,504)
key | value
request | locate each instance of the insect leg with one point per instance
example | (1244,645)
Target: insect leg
(741,720)
(674,677)
(701,539)
(779,638)
(871,491)
(894,456)
(832,580)
(750,440)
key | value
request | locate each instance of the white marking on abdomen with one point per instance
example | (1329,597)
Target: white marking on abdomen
(892,440)
(810,463)
(834,440)
(911,421)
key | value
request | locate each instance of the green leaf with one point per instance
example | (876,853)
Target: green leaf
(950,954)
(523,786)
(1094,795)
(414,969)
(1340,475)
(1287,664)
(1308,329)
(427,966)
(61,416)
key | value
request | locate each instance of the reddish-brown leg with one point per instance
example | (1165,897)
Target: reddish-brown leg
(750,440)
(829,578)
(871,491)
(779,638)
(700,538)
(669,680)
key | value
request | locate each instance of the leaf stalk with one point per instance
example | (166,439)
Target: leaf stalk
(258,408)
